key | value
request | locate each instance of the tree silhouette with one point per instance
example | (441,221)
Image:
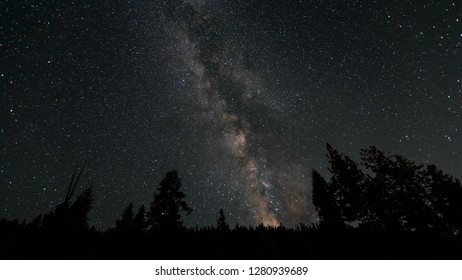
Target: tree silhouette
(69,218)
(139,221)
(342,198)
(221,222)
(396,194)
(324,201)
(165,210)
(79,210)
(126,220)
(447,199)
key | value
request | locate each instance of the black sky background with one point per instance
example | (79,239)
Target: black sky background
(239,96)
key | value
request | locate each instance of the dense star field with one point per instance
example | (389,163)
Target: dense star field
(239,96)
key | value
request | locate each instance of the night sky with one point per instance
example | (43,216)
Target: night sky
(239,96)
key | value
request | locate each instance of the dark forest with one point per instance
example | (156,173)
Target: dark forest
(384,207)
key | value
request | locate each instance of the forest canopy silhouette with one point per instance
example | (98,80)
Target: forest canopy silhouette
(383,207)
(394,193)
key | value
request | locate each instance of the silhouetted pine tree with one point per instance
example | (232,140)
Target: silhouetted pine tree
(221,222)
(347,185)
(139,222)
(126,220)
(324,201)
(341,199)
(165,210)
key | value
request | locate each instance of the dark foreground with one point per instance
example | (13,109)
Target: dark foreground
(18,242)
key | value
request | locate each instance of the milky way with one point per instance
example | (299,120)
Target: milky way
(239,96)
(211,76)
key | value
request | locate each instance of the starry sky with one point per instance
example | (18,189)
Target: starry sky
(239,96)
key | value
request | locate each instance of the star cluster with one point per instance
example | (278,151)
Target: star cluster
(239,96)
